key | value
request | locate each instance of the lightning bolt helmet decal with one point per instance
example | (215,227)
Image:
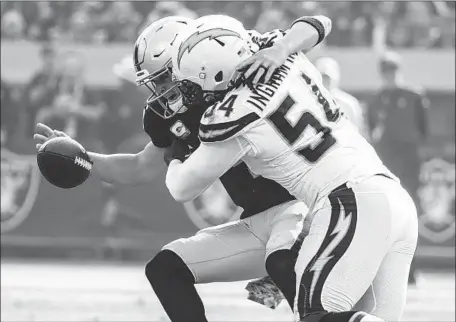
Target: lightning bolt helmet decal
(199,36)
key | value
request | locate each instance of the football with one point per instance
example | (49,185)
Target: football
(64,162)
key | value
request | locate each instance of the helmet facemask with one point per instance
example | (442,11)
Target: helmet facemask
(194,95)
(165,99)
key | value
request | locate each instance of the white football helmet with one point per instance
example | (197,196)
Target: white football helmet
(153,64)
(205,56)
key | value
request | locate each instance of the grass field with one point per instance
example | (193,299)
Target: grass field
(33,291)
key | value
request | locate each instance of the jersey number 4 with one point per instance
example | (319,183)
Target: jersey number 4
(226,105)
(292,133)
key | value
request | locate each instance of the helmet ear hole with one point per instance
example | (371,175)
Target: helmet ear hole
(219,76)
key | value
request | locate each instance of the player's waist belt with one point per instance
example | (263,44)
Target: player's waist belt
(384,175)
(344,185)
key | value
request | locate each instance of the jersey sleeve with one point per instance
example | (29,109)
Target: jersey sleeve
(226,120)
(157,129)
(322,24)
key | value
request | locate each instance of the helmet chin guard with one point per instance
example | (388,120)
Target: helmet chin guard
(193,94)
(165,108)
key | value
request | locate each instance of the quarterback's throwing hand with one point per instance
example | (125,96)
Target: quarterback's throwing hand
(44,133)
(264,62)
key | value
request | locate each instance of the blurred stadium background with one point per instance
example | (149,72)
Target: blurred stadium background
(62,250)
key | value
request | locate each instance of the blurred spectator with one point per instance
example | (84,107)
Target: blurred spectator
(362,25)
(341,25)
(44,19)
(447,36)
(399,122)
(9,113)
(410,25)
(63,12)
(126,108)
(423,32)
(271,18)
(168,8)
(2,7)
(69,109)
(120,21)
(82,27)
(405,24)
(173,8)
(446,21)
(200,9)
(13,24)
(247,12)
(349,105)
(42,88)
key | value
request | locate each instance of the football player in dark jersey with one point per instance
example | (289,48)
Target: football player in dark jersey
(263,242)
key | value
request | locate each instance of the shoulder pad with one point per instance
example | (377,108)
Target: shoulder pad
(225,120)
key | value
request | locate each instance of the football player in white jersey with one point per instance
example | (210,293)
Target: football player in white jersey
(363,223)
(348,104)
(255,246)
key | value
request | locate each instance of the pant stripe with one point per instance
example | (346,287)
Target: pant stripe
(357,317)
(338,237)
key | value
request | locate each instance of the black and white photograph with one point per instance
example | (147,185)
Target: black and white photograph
(228,161)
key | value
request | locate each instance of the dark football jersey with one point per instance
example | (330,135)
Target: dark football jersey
(254,195)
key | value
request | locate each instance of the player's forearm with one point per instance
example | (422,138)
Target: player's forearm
(305,33)
(115,168)
(182,185)
(186,181)
(124,169)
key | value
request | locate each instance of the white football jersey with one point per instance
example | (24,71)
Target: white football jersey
(349,105)
(296,133)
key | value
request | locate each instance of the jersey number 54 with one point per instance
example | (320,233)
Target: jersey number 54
(292,133)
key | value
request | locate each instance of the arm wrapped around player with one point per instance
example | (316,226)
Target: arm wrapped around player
(187,180)
(304,34)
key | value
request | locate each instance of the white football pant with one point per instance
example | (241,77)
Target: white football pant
(360,236)
(237,250)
